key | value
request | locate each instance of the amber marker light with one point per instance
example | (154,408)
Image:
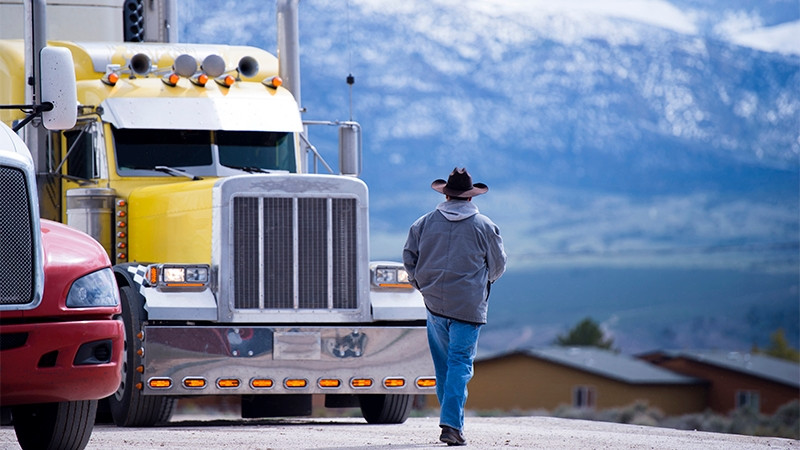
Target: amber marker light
(152,275)
(194,383)
(227,383)
(426,382)
(295,383)
(171,79)
(329,383)
(200,79)
(361,383)
(273,82)
(261,383)
(226,81)
(394,383)
(110,78)
(159,383)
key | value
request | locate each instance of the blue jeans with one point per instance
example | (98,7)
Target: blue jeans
(453,347)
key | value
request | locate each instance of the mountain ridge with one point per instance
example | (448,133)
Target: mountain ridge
(628,136)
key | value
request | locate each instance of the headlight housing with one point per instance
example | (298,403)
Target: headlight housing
(92,290)
(388,276)
(178,276)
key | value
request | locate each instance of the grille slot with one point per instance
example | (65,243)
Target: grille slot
(294,253)
(17,252)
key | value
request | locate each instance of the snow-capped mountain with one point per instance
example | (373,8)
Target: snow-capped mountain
(617,137)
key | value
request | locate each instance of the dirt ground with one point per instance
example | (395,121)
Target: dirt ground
(187,432)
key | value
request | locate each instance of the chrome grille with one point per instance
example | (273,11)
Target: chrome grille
(17,252)
(296,253)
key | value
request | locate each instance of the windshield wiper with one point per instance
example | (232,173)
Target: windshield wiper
(249,169)
(176,172)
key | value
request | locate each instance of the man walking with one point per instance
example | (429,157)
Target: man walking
(453,254)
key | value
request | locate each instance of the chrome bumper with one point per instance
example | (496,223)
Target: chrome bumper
(230,360)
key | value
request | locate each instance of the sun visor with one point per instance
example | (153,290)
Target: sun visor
(274,113)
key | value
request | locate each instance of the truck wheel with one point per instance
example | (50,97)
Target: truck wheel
(129,408)
(386,408)
(65,425)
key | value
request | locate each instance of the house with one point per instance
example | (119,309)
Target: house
(583,377)
(736,379)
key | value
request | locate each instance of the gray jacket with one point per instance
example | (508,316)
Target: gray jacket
(451,255)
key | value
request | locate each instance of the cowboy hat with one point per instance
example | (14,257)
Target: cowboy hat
(459,184)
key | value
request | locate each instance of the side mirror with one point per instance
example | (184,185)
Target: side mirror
(58,88)
(350,148)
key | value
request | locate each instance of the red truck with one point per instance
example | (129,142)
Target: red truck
(61,341)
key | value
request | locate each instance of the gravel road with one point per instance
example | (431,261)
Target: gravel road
(416,433)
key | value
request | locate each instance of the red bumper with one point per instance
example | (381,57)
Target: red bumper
(44,368)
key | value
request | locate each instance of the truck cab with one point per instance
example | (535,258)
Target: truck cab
(60,339)
(241,271)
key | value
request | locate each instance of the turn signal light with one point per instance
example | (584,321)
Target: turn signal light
(361,383)
(295,383)
(261,383)
(228,383)
(394,383)
(426,382)
(194,383)
(329,383)
(160,383)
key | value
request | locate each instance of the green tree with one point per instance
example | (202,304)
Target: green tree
(779,347)
(587,333)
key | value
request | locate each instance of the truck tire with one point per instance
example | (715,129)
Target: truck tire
(129,408)
(386,409)
(64,425)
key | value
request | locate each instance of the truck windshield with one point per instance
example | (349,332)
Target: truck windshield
(260,149)
(140,151)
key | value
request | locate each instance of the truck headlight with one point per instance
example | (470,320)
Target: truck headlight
(385,276)
(95,289)
(178,275)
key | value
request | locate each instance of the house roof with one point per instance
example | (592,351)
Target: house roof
(761,366)
(601,362)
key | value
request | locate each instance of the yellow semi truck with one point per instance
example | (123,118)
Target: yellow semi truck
(239,272)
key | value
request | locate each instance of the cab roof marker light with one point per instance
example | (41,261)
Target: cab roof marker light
(199,79)
(225,81)
(112,75)
(272,82)
(171,79)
